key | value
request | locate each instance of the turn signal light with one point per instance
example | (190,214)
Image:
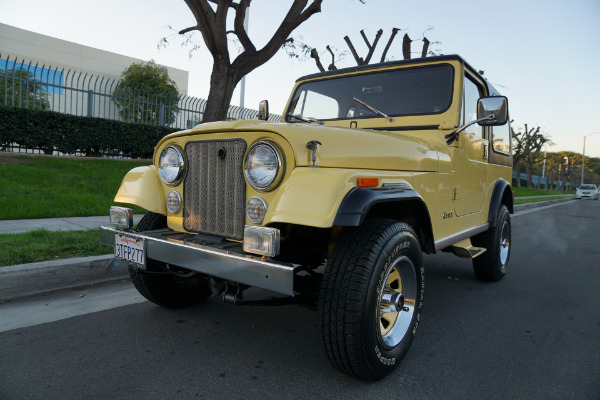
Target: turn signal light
(367,182)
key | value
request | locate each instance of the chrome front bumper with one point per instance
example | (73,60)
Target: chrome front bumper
(175,248)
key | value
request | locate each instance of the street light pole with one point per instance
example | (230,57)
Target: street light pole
(243,82)
(583,155)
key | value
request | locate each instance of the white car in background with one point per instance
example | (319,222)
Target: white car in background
(587,191)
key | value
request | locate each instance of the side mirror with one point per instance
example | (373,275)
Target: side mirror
(497,106)
(263,110)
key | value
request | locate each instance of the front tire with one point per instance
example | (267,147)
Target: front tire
(157,285)
(492,265)
(371,297)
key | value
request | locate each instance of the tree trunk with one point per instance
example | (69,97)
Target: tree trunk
(517,169)
(529,173)
(223,81)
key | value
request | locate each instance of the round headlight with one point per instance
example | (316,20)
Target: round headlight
(262,165)
(170,165)
(173,202)
(256,208)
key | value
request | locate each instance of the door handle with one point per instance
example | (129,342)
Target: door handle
(486,151)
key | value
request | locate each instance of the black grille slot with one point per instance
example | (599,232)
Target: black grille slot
(214,191)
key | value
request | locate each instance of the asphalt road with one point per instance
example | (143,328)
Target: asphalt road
(534,335)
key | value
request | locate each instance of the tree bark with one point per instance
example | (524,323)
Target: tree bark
(315,54)
(517,169)
(528,171)
(223,81)
(406,47)
(425,47)
(389,43)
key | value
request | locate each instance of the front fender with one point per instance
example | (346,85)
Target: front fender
(311,196)
(142,187)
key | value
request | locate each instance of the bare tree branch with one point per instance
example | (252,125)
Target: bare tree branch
(315,54)
(371,48)
(359,60)
(297,14)
(240,31)
(191,28)
(406,47)
(211,25)
(425,47)
(332,65)
(389,43)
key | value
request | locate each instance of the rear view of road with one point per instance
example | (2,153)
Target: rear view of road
(533,335)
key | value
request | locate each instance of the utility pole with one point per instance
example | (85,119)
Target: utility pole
(583,155)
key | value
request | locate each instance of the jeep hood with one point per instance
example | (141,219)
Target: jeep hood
(341,147)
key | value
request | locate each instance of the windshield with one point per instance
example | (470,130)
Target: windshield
(587,187)
(401,92)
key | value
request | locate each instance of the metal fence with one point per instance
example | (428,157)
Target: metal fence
(46,87)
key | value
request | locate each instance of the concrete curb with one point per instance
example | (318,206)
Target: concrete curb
(43,277)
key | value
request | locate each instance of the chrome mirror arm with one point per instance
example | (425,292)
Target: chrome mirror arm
(451,137)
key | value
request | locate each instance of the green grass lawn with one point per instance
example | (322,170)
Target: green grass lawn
(49,187)
(523,191)
(42,245)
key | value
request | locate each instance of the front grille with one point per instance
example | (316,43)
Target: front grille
(214,190)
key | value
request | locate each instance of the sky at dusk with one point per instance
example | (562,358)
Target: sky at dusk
(543,55)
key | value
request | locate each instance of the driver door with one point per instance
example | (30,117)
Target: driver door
(471,156)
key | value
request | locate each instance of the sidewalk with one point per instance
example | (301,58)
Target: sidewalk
(48,276)
(57,224)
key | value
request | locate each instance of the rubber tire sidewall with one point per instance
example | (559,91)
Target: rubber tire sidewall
(383,360)
(353,346)
(487,266)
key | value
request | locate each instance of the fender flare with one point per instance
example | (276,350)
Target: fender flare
(358,202)
(502,191)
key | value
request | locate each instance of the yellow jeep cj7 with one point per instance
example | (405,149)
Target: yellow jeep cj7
(334,206)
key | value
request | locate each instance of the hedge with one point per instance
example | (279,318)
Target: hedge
(49,130)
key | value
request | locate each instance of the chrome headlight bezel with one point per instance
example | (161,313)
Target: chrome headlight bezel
(256,209)
(173,202)
(277,162)
(166,171)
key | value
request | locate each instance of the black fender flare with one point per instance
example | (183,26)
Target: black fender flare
(502,191)
(360,201)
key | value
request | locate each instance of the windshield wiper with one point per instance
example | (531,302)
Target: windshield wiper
(304,119)
(376,111)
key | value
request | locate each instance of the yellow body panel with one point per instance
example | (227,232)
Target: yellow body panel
(142,186)
(312,196)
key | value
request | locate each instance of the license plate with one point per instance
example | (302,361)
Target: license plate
(131,249)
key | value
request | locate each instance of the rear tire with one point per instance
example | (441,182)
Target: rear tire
(492,265)
(371,297)
(160,287)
